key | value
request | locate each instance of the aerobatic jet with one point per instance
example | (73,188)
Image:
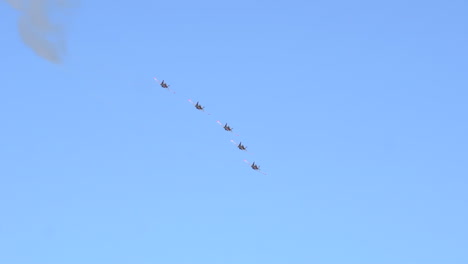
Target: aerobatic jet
(164,85)
(241,147)
(255,167)
(226,127)
(198,106)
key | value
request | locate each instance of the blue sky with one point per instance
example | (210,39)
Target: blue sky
(355,109)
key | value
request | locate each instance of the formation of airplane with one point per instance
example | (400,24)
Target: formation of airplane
(226,127)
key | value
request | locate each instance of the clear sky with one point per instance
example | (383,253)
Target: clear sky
(356,110)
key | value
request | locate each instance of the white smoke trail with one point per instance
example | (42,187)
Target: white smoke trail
(37,30)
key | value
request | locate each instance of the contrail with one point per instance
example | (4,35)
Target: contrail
(36,29)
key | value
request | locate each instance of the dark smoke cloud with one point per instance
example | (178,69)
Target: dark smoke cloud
(37,30)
